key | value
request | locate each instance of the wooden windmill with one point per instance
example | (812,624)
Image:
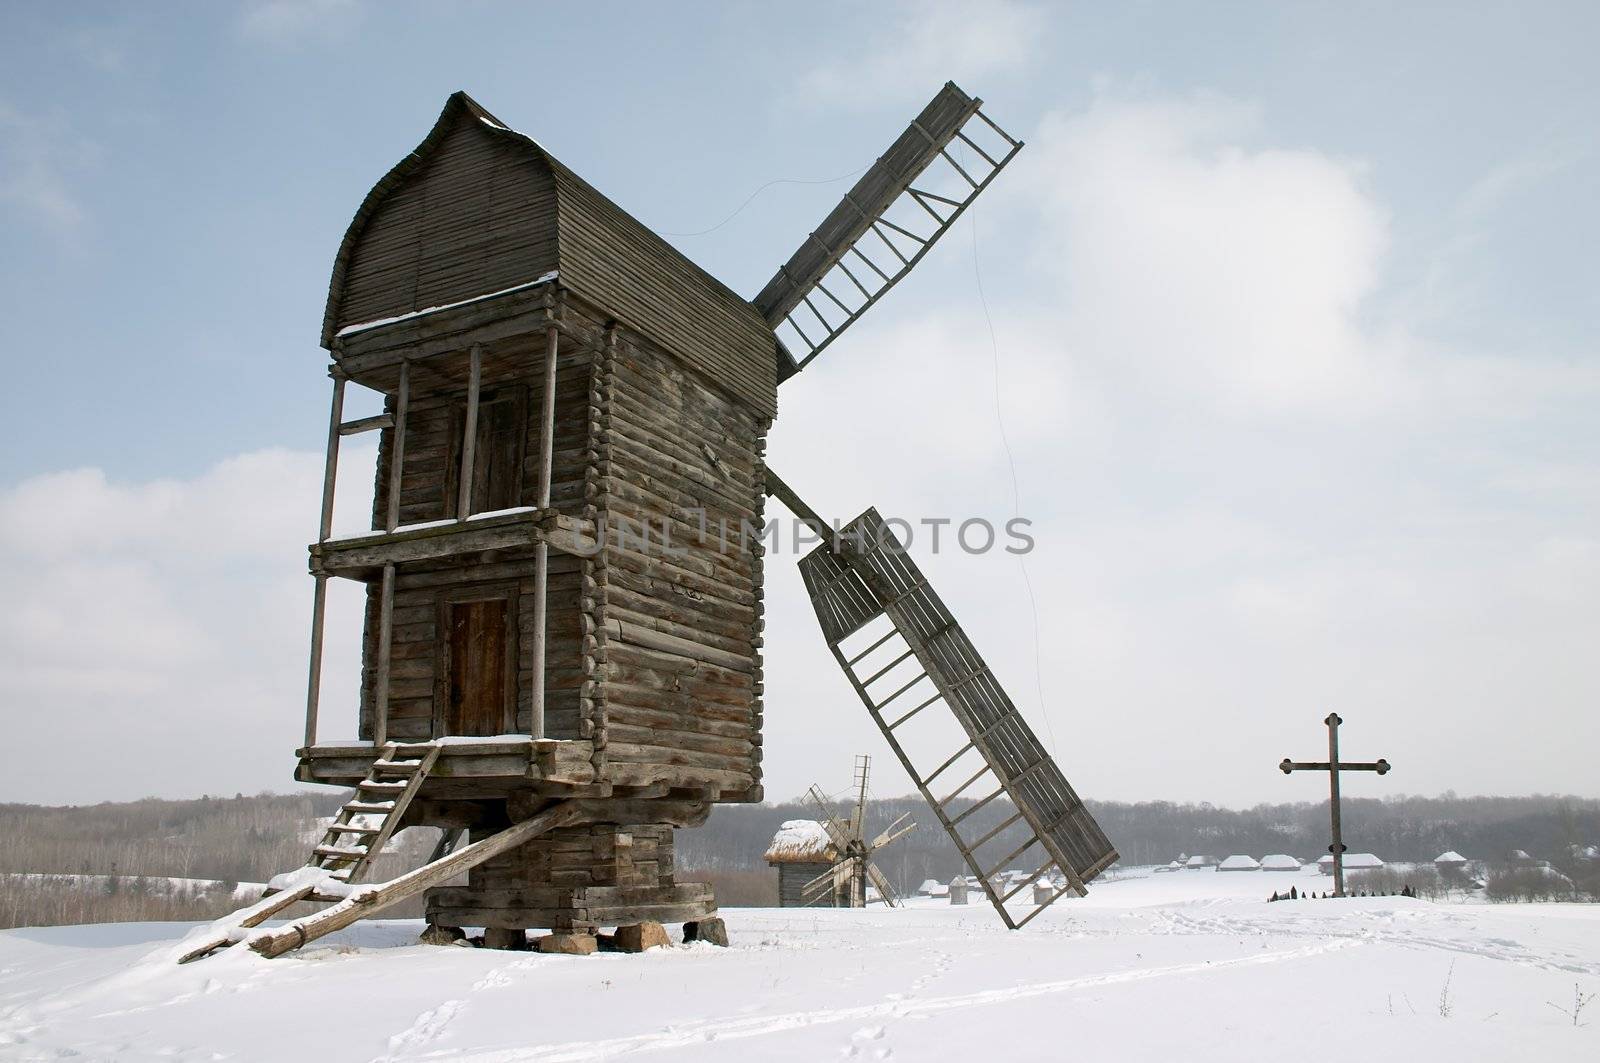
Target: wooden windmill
(557,659)
(853,867)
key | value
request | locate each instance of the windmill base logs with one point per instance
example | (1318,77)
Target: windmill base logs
(574,880)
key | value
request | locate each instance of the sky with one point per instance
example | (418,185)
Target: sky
(1292,364)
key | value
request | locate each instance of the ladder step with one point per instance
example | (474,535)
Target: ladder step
(1025,883)
(378,807)
(977,806)
(941,768)
(396,767)
(880,673)
(1014,817)
(345,828)
(328,852)
(858,657)
(919,708)
(384,787)
(880,706)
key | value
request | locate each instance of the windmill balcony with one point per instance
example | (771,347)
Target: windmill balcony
(363,556)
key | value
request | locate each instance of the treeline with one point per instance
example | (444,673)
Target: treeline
(1154,832)
(249,839)
(232,839)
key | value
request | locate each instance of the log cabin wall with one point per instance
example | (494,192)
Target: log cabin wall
(792,880)
(679,613)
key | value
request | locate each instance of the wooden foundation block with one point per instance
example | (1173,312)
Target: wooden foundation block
(711,930)
(637,937)
(569,944)
(514,939)
(434,934)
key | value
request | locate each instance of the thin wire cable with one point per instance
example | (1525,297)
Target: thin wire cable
(1016,491)
(775,181)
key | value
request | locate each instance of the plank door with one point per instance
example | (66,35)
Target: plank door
(479,688)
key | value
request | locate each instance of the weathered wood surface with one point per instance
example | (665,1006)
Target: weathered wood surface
(871,576)
(477,208)
(357,557)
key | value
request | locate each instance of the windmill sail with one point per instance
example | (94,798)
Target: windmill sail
(884,225)
(904,653)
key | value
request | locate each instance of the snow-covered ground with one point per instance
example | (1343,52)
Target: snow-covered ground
(1191,966)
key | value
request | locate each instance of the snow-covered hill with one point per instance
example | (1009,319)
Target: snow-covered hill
(1191,966)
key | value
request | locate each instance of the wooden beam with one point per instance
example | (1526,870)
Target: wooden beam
(373,899)
(397,448)
(319,608)
(380,692)
(366,424)
(469,440)
(330,468)
(356,558)
(541,570)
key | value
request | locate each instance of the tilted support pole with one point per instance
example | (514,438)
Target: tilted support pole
(319,600)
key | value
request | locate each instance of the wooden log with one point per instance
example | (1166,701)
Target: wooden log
(370,900)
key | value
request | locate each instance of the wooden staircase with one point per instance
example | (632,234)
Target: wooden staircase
(369,819)
(357,834)
(921,658)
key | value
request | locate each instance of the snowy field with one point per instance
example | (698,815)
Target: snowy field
(1191,966)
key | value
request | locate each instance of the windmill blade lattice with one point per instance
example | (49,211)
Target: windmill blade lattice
(883,226)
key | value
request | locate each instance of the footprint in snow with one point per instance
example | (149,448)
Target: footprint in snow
(429,1025)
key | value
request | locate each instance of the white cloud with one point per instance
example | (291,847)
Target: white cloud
(37,156)
(1227,267)
(285,21)
(927,44)
(1261,492)
(154,637)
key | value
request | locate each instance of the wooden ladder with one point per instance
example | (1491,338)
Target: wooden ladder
(369,819)
(871,577)
(353,905)
(358,832)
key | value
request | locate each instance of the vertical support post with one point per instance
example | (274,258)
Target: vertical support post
(319,607)
(541,557)
(319,600)
(469,440)
(330,468)
(1333,723)
(397,447)
(380,691)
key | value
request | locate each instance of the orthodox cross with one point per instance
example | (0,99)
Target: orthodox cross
(1333,766)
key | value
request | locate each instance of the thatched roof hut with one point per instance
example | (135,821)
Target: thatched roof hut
(801,841)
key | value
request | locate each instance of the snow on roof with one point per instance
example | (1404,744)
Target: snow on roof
(1355,861)
(1200,861)
(425,311)
(801,841)
(929,885)
(1280,862)
(1239,862)
(1451,857)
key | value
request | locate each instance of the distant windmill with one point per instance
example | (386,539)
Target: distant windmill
(853,869)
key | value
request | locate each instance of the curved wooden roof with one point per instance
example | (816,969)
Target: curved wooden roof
(477,207)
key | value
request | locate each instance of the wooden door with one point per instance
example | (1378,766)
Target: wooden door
(479,695)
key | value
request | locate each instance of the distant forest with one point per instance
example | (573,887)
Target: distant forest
(240,838)
(1155,832)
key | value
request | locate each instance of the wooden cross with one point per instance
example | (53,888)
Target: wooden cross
(1333,766)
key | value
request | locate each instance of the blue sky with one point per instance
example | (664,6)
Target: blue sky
(1295,321)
